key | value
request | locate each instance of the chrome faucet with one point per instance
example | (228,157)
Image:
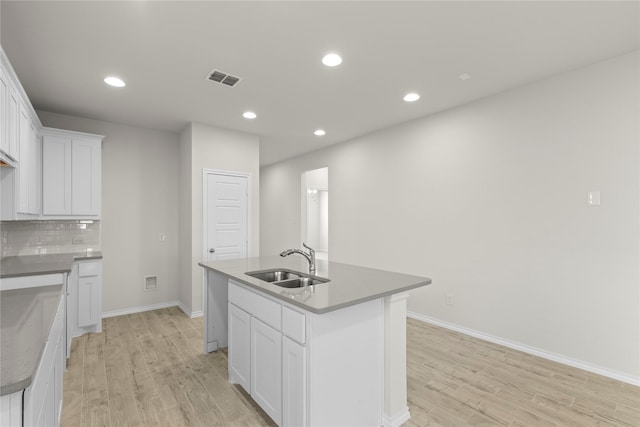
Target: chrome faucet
(310,256)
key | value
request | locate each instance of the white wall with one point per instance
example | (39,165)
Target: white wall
(139,193)
(315,212)
(219,149)
(489,200)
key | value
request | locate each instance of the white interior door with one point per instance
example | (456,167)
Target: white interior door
(227,210)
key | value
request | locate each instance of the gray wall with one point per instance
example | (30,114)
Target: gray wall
(489,200)
(205,147)
(139,201)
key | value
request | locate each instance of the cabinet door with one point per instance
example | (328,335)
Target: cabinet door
(266,368)
(239,347)
(59,366)
(86,179)
(28,169)
(4,115)
(47,412)
(88,301)
(26,162)
(56,176)
(35,174)
(294,384)
(13,108)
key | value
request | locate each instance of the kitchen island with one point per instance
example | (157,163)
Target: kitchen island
(328,354)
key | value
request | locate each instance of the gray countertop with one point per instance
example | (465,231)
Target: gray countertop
(349,284)
(26,316)
(33,265)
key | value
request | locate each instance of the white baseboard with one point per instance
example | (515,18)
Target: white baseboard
(140,309)
(189,313)
(396,420)
(531,350)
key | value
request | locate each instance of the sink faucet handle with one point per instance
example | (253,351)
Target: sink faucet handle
(312,258)
(309,247)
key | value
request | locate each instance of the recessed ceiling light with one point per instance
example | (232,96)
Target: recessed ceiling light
(319,132)
(114,81)
(249,115)
(464,76)
(331,60)
(410,97)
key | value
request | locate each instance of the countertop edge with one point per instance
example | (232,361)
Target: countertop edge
(313,309)
(18,386)
(73,257)
(38,273)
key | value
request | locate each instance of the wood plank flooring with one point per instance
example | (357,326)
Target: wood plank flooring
(148,369)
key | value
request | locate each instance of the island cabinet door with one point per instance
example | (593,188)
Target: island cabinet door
(294,384)
(239,347)
(266,369)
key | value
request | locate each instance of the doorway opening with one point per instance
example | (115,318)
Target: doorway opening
(315,211)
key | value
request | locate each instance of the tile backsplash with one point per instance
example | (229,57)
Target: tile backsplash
(50,237)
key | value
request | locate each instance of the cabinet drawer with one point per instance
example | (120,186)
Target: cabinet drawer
(258,306)
(293,324)
(89,268)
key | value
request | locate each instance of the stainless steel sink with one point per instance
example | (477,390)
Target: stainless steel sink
(300,282)
(287,278)
(273,275)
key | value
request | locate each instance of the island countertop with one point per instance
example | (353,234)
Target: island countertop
(349,284)
(26,317)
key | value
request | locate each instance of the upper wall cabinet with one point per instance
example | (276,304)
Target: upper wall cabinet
(71,174)
(9,107)
(49,173)
(21,149)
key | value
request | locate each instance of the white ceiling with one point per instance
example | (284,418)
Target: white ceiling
(163,50)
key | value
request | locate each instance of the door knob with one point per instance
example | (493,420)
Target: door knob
(211,250)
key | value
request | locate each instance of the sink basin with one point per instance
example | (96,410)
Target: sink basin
(287,278)
(300,282)
(273,275)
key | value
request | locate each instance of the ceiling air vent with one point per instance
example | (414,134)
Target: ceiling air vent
(223,78)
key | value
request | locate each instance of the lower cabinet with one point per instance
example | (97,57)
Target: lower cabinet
(272,344)
(84,299)
(240,347)
(294,368)
(43,399)
(40,404)
(266,368)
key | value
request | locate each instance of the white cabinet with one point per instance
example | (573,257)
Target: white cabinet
(9,106)
(4,93)
(51,179)
(240,347)
(266,368)
(84,299)
(294,386)
(308,369)
(72,174)
(41,402)
(29,175)
(56,173)
(43,399)
(88,301)
(13,107)
(21,186)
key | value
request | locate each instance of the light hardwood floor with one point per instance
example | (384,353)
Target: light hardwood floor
(148,369)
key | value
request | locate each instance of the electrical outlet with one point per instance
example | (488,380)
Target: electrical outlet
(448,299)
(163,237)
